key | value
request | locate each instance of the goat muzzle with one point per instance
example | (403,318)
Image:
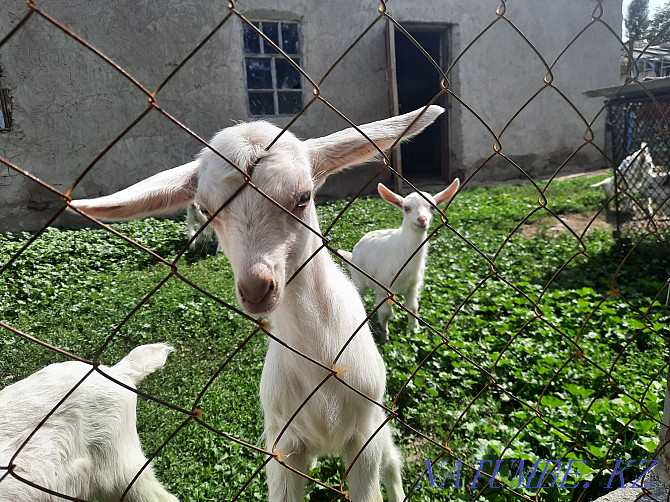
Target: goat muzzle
(257,290)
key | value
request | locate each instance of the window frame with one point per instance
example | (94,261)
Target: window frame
(273,57)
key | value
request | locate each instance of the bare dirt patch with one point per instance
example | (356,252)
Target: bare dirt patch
(549,227)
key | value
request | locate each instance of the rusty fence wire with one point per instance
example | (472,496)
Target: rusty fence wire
(450,439)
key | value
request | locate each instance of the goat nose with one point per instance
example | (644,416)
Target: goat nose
(255,287)
(422,220)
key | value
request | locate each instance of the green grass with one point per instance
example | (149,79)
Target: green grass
(525,362)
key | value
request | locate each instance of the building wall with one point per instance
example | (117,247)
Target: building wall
(500,72)
(68,104)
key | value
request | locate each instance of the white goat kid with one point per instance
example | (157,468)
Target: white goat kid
(317,313)
(89,447)
(382,253)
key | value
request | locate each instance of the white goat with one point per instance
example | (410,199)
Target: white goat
(319,312)
(383,253)
(655,191)
(636,173)
(637,166)
(608,187)
(89,447)
(195,215)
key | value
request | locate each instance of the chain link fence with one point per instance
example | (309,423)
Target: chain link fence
(530,372)
(640,147)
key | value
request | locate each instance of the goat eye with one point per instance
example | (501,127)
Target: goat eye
(304,199)
(406,209)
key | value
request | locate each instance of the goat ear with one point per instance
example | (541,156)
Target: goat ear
(162,193)
(348,147)
(390,196)
(447,193)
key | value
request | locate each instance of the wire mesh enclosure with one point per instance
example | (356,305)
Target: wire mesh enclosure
(640,147)
(528,360)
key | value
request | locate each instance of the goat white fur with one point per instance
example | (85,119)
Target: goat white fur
(655,192)
(319,313)
(637,174)
(89,447)
(195,215)
(608,187)
(383,253)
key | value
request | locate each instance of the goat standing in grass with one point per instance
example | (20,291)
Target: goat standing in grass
(383,253)
(268,229)
(89,447)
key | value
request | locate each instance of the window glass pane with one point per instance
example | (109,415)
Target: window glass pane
(290,40)
(272,31)
(259,73)
(252,42)
(287,76)
(261,103)
(274,85)
(289,102)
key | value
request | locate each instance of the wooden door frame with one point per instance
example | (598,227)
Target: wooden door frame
(392,78)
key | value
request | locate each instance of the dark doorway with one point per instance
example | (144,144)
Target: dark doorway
(424,158)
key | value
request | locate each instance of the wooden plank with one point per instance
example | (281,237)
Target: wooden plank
(391,78)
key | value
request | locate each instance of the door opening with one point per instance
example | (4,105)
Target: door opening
(425,157)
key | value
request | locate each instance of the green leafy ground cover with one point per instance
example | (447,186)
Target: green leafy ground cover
(538,348)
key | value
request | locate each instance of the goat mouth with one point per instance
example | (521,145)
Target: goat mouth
(259,308)
(256,310)
(421,227)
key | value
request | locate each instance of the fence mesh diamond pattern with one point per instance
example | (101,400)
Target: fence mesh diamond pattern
(535,348)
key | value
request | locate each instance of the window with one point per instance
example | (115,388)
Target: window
(4,110)
(646,67)
(274,86)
